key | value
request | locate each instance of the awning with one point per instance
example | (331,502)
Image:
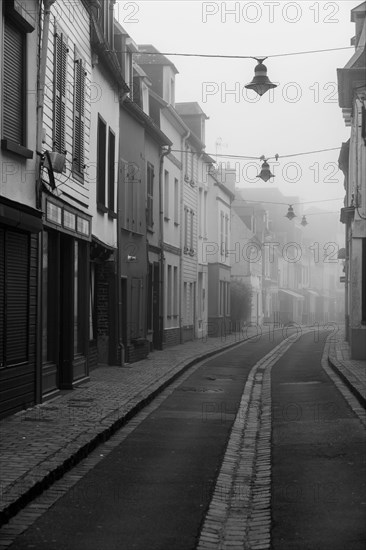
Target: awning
(292,294)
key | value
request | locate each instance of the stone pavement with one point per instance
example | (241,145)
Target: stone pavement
(352,372)
(40,444)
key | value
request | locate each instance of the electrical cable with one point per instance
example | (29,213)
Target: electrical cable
(232,56)
(286,203)
(259,158)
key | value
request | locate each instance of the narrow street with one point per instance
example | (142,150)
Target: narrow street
(153,482)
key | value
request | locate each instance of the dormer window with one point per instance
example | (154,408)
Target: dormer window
(172,92)
(106,20)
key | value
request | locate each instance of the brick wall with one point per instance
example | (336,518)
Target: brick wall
(135,353)
(171,337)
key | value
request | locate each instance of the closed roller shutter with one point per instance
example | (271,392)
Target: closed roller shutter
(17,282)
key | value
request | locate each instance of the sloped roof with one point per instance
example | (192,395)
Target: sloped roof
(189,108)
(151,56)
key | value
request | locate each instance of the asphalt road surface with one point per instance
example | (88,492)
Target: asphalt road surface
(318,457)
(152,491)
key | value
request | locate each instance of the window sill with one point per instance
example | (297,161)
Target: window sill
(12,147)
(176,224)
(78,177)
(102,209)
(150,230)
(166,218)
(112,215)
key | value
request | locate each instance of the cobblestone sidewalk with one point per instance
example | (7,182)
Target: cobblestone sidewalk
(38,445)
(352,372)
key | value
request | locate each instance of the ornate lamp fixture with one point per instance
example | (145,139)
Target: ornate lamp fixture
(290,213)
(260,83)
(303,222)
(265,174)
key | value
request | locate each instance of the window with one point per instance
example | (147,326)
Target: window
(172,92)
(227,298)
(49,297)
(200,211)
(136,308)
(204,214)
(166,194)
(59,98)
(226,244)
(169,303)
(185,229)
(14,86)
(111,173)
(185,304)
(101,163)
(176,201)
(192,301)
(106,20)
(222,238)
(191,234)
(79,99)
(175,291)
(150,195)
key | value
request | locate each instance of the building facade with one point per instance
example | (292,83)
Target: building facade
(351,90)
(20,219)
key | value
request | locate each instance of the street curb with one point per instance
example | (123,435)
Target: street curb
(85,449)
(336,366)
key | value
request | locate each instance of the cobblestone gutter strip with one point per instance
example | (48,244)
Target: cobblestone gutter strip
(31,484)
(239,515)
(335,372)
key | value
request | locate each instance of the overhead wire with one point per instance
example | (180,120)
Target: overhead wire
(224,56)
(259,158)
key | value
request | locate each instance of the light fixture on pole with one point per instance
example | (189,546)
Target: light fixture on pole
(290,213)
(260,83)
(303,221)
(265,174)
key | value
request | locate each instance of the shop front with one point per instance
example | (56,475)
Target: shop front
(65,296)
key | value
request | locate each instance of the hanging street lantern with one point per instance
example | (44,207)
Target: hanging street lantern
(290,213)
(265,173)
(303,221)
(260,83)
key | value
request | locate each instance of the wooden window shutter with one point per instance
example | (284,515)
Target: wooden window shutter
(150,194)
(79,99)
(14,84)
(59,106)
(111,171)
(101,167)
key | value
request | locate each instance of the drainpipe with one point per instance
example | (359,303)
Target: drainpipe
(184,140)
(41,77)
(163,154)
(40,92)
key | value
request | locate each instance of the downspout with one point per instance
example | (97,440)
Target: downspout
(184,139)
(40,93)
(163,154)
(41,77)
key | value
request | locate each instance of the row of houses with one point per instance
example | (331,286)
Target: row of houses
(352,162)
(119,234)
